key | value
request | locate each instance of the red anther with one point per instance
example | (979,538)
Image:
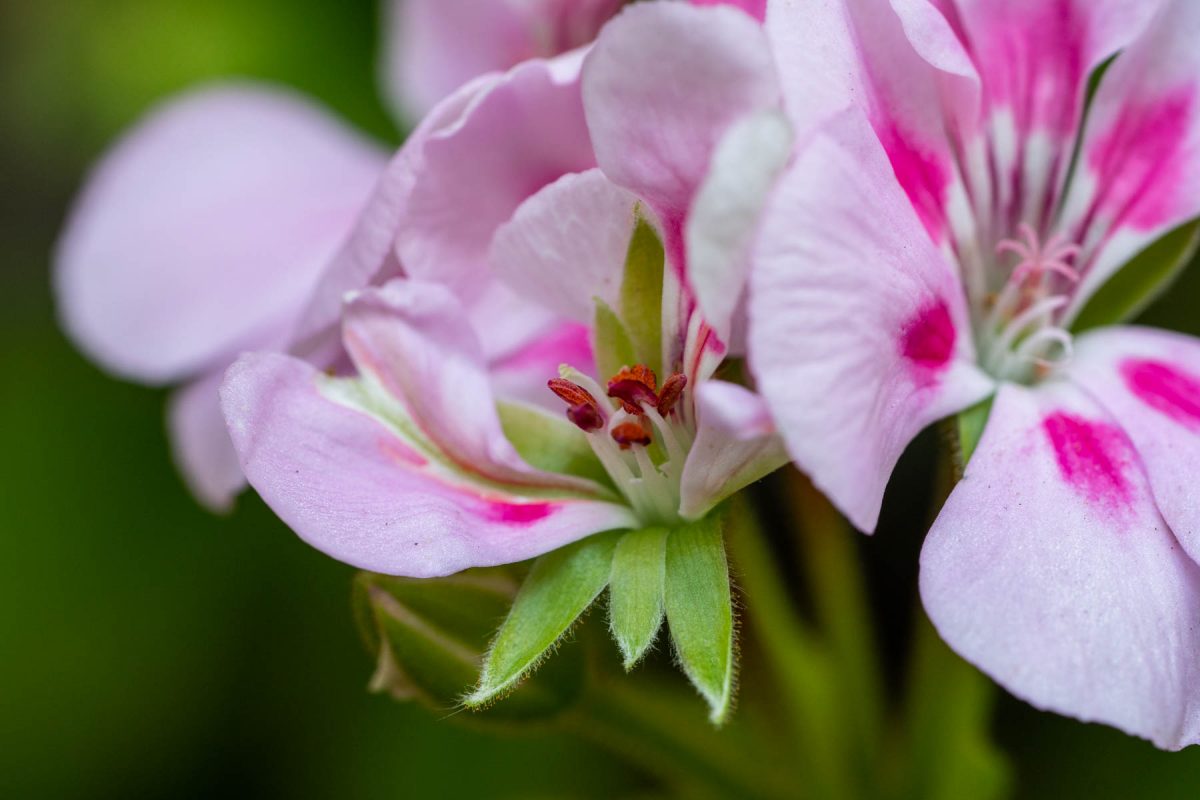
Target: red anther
(630,433)
(671,390)
(634,386)
(572,393)
(586,416)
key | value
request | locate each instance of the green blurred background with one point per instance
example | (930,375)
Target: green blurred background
(148,649)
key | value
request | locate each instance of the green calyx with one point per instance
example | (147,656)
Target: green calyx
(679,574)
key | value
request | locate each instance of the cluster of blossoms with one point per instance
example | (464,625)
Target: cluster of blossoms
(508,337)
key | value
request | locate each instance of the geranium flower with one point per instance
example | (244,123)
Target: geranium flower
(406,466)
(210,227)
(933,246)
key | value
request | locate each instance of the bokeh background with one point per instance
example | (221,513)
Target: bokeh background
(149,649)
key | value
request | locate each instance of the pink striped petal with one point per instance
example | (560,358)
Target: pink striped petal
(858,327)
(1139,168)
(1050,569)
(903,65)
(354,489)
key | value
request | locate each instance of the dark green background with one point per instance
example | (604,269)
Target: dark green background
(148,649)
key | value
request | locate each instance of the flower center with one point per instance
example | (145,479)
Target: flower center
(636,433)
(1018,328)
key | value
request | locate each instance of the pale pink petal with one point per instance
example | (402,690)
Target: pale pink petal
(349,486)
(755,8)
(565,246)
(508,322)
(1149,380)
(858,328)
(726,214)
(735,445)
(520,134)
(200,443)
(903,65)
(368,256)
(1139,168)
(434,46)
(414,339)
(203,231)
(661,86)
(522,374)
(1050,569)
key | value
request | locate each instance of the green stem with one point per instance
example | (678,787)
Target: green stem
(666,733)
(802,668)
(944,750)
(834,574)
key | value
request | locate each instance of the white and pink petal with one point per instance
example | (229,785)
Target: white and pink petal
(1051,569)
(858,328)
(354,489)
(1149,380)
(1139,167)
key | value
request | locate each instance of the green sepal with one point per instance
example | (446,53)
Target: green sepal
(641,295)
(614,348)
(551,443)
(428,634)
(699,608)
(969,427)
(428,638)
(560,587)
(635,592)
(1133,287)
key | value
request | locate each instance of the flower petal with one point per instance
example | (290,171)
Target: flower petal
(858,335)
(203,231)
(414,340)
(368,256)
(1051,570)
(727,210)
(434,46)
(353,489)
(1139,167)
(655,121)
(1149,380)
(200,444)
(566,245)
(902,65)
(735,445)
(520,134)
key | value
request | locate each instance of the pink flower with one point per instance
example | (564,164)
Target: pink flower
(405,465)
(951,214)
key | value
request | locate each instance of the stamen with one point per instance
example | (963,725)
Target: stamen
(586,416)
(629,433)
(634,386)
(672,388)
(583,408)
